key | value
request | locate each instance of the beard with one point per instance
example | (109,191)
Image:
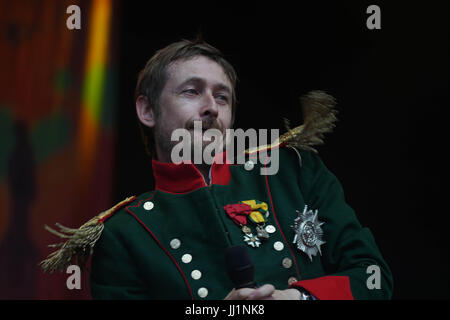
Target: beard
(200,139)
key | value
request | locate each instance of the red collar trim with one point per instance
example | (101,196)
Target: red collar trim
(185,177)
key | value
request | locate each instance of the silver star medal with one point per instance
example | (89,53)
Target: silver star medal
(249,238)
(308,233)
(252,240)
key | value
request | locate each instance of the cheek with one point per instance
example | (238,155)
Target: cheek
(226,118)
(174,114)
(174,121)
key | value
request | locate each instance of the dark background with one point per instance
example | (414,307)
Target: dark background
(391,86)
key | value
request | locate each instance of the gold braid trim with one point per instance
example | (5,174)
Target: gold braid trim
(80,242)
(319,116)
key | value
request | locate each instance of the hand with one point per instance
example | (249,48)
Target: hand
(262,293)
(266,292)
(288,294)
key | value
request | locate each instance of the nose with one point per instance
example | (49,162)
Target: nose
(209,108)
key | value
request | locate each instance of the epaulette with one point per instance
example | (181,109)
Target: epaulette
(80,242)
(319,117)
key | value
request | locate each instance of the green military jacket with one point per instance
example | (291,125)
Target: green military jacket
(170,243)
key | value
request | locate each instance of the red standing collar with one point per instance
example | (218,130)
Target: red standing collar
(185,177)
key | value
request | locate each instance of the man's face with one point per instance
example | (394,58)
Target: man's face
(196,90)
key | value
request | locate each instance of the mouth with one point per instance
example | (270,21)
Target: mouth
(203,129)
(204,125)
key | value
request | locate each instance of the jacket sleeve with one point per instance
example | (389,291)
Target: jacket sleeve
(354,266)
(113,275)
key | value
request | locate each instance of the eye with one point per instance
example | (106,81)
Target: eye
(190,91)
(223,98)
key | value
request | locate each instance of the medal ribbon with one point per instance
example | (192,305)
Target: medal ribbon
(259,209)
(238,212)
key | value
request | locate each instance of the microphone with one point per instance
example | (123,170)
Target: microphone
(240,267)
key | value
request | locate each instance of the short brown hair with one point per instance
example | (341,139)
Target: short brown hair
(153,77)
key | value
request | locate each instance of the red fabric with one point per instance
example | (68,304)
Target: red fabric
(177,178)
(238,212)
(220,170)
(327,288)
(185,177)
(110,214)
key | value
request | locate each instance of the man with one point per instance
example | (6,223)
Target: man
(170,243)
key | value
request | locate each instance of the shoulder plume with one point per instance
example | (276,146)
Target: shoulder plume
(319,116)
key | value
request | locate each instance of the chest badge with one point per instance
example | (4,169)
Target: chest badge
(308,232)
(254,211)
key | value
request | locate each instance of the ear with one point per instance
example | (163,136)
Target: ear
(145,112)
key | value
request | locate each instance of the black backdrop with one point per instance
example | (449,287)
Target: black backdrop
(391,86)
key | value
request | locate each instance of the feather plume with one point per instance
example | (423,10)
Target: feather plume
(319,118)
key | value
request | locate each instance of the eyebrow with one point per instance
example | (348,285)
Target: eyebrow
(197,80)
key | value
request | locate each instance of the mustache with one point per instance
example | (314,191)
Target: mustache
(209,123)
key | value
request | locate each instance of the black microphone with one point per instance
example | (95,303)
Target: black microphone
(240,267)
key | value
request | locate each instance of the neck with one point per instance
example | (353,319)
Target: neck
(204,170)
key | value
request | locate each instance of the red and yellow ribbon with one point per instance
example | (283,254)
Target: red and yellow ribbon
(255,210)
